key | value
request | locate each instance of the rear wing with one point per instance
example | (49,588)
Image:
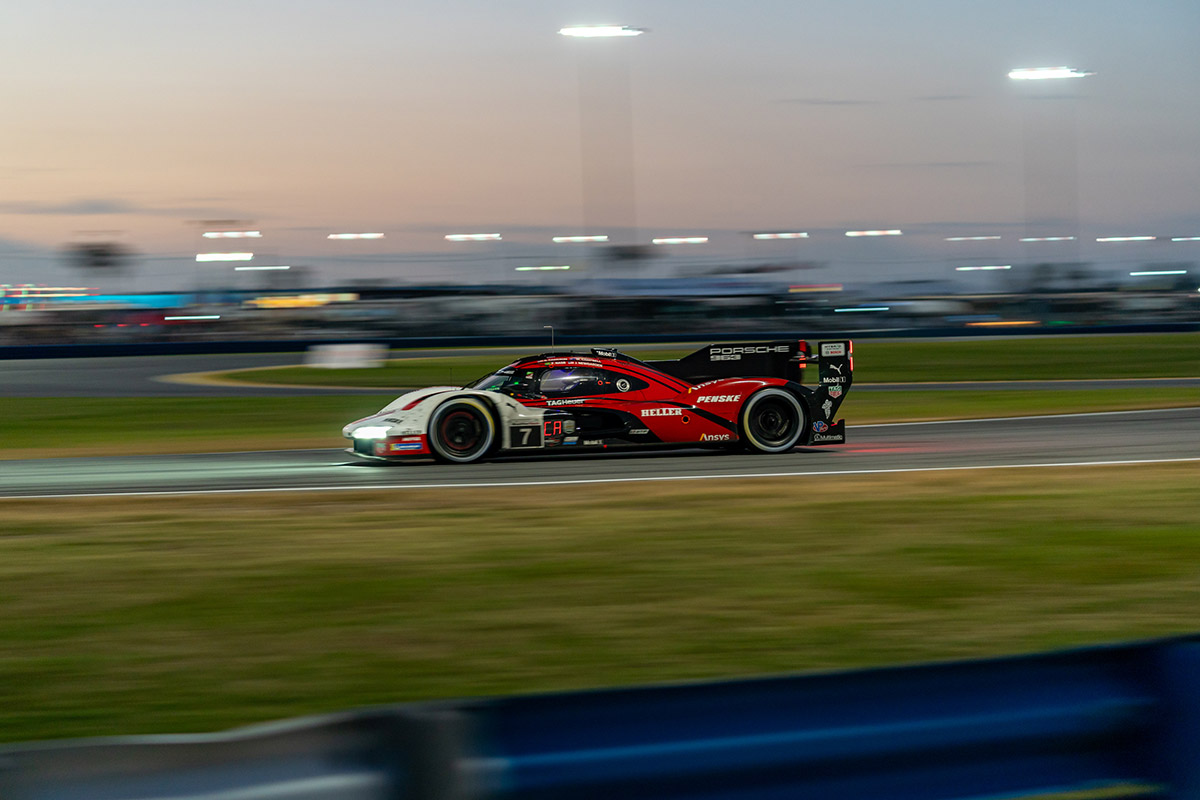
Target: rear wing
(835,374)
(787,359)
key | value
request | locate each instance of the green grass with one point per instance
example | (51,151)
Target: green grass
(413,372)
(62,426)
(1021,358)
(876,361)
(154,614)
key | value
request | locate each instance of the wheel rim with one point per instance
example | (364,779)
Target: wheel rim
(462,432)
(774,423)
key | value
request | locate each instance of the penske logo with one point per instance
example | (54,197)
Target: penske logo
(718,398)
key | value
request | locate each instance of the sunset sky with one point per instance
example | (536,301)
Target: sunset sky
(132,121)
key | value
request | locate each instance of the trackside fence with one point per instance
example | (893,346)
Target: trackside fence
(1119,721)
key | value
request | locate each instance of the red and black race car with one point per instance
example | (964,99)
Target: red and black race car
(748,395)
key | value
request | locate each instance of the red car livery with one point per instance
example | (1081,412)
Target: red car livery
(745,395)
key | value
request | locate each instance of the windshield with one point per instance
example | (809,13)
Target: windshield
(501,381)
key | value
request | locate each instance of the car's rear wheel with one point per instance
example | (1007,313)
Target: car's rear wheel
(462,430)
(772,421)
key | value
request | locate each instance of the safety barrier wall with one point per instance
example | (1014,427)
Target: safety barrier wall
(1119,721)
(13,352)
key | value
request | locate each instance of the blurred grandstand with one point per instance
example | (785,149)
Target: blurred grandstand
(721,301)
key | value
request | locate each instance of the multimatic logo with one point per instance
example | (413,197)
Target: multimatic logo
(829,437)
(717,398)
(661,412)
(735,353)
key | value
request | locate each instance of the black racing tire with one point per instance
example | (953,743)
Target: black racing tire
(462,430)
(772,421)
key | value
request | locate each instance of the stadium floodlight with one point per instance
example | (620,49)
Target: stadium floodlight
(861,308)
(192,317)
(232,234)
(680,240)
(579,239)
(472,237)
(355,236)
(224,256)
(891,232)
(784,235)
(1047,73)
(1048,239)
(1147,272)
(815,287)
(260,269)
(542,269)
(985,268)
(971,238)
(600,31)
(1185,238)
(1126,239)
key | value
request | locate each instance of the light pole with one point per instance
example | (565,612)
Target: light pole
(606,131)
(1051,157)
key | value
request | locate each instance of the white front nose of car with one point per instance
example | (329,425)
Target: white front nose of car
(371,431)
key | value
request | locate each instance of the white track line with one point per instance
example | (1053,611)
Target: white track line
(579,481)
(1031,416)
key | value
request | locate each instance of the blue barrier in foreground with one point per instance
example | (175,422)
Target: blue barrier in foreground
(1106,722)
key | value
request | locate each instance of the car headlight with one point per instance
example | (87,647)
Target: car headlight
(371,432)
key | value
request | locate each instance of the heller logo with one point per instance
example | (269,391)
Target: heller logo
(661,412)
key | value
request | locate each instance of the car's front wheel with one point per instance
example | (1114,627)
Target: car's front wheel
(462,430)
(772,421)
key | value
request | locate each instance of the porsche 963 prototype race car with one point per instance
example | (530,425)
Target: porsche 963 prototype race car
(747,395)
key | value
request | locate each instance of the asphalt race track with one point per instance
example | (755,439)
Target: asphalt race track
(1101,438)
